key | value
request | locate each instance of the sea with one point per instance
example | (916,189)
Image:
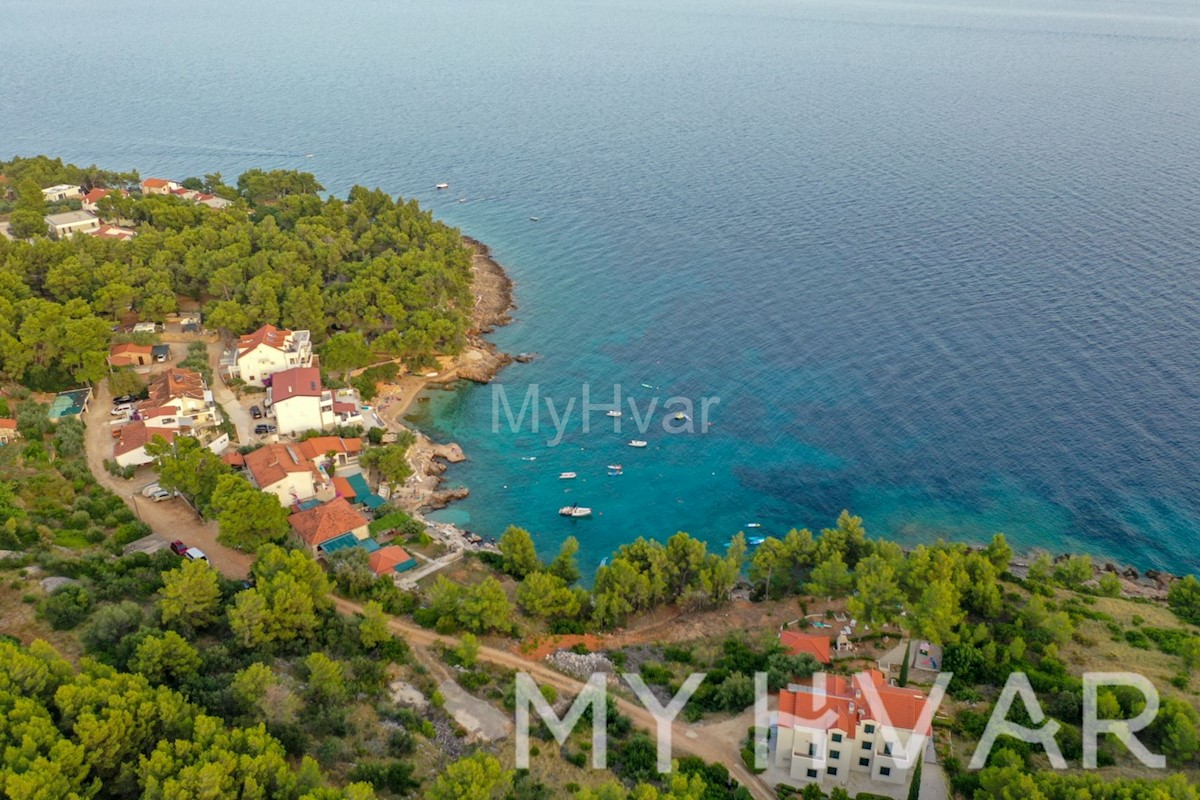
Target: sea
(934,262)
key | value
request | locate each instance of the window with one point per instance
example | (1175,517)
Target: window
(864,762)
(887,749)
(885,771)
(835,754)
(812,749)
(837,737)
(868,729)
(831,771)
(866,745)
(812,773)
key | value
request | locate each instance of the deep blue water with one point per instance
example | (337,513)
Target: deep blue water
(939,261)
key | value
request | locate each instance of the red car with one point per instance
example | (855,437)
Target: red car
(178,547)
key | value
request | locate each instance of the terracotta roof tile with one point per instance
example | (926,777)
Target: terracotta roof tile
(386,559)
(797,643)
(272,463)
(138,434)
(267,335)
(326,522)
(295,382)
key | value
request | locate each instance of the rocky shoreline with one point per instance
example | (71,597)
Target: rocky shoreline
(480,361)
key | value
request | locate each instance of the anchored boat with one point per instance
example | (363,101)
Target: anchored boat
(637,443)
(575,511)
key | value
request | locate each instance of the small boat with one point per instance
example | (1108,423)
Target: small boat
(604,561)
(442,186)
(615,473)
(753,524)
(636,443)
(533,219)
(613,413)
(529,458)
(615,467)
(681,416)
(575,511)
(647,386)
(755,540)
(566,476)
(308,155)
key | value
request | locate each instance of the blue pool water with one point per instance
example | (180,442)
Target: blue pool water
(939,260)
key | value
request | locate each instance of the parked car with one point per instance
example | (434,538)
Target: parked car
(124,400)
(256,412)
(160,495)
(178,547)
(195,554)
(151,489)
(121,411)
(264,428)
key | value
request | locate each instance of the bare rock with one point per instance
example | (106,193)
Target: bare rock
(1131,573)
(450,452)
(51,585)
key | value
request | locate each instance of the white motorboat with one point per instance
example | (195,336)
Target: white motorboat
(637,443)
(615,467)
(753,524)
(613,413)
(681,416)
(566,476)
(574,511)
(442,186)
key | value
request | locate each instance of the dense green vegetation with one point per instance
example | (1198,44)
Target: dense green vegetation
(378,266)
(49,497)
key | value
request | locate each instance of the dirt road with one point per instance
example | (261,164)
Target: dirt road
(173,519)
(711,749)
(170,519)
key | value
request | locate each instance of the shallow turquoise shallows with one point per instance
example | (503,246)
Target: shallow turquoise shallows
(940,262)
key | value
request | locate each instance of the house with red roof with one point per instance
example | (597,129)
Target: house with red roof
(128,354)
(331,526)
(159,186)
(8,430)
(831,727)
(284,471)
(801,643)
(299,402)
(113,232)
(130,449)
(257,356)
(390,560)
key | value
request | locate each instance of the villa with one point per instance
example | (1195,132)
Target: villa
(61,192)
(69,223)
(832,728)
(258,356)
(130,448)
(282,470)
(330,527)
(813,644)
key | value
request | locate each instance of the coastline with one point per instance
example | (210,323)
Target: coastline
(480,361)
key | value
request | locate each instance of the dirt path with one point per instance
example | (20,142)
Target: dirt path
(685,738)
(170,519)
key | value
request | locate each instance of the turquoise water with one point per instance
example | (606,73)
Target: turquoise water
(937,260)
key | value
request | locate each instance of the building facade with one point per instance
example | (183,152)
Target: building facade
(832,727)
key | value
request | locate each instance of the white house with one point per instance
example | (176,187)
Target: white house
(184,392)
(63,191)
(130,449)
(832,727)
(259,355)
(69,223)
(299,402)
(282,470)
